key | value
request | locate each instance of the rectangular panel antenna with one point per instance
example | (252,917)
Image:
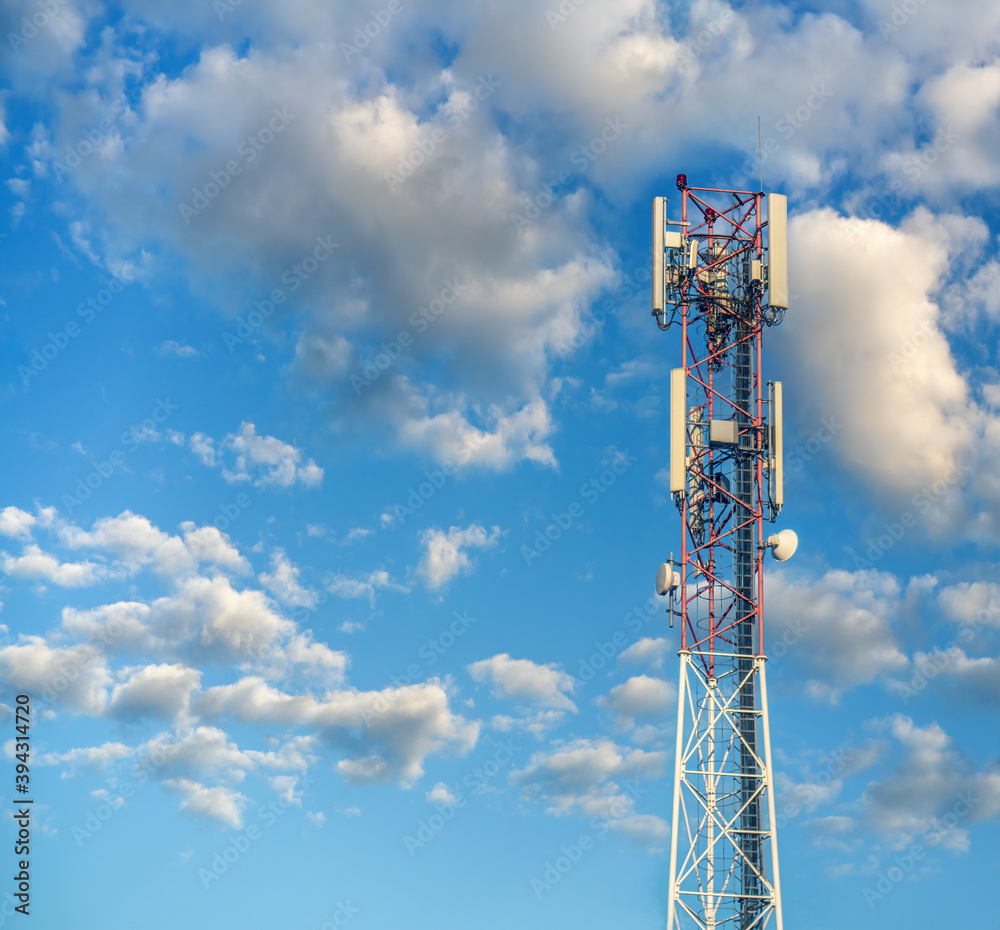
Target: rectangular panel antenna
(777,452)
(678,429)
(777,250)
(723,432)
(659,227)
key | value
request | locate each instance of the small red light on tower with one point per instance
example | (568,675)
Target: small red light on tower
(682,181)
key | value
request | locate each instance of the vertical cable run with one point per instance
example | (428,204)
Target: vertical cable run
(745,558)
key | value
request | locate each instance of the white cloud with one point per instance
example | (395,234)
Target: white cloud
(119,627)
(206,619)
(203,750)
(73,676)
(822,784)
(283,582)
(287,788)
(263,461)
(212,619)
(640,696)
(204,449)
(136,542)
(866,306)
(355,533)
(538,723)
(526,682)
(322,357)
(34,563)
(301,656)
(579,777)
(522,295)
(444,557)
(449,437)
(154,691)
(91,758)
(211,546)
(16,522)
(440,794)
(931,778)
(385,734)
(365,586)
(218,803)
(170,347)
(962,102)
(836,629)
(648,650)
(968,678)
(971,602)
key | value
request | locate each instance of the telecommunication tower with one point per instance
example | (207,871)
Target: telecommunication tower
(720,277)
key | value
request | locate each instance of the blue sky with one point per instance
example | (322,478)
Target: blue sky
(319,322)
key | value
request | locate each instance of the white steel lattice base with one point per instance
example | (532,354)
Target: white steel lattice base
(714,882)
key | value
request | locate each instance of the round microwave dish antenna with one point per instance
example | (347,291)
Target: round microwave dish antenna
(666,579)
(783,545)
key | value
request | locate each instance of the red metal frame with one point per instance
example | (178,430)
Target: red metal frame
(707,627)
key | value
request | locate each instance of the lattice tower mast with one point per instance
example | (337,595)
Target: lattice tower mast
(720,278)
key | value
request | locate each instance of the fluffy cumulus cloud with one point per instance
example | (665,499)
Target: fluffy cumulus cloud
(440,794)
(206,619)
(121,627)
(384,735)
(16,522)
(202,751)
(869,304)
(201,764)
(216,803)
(364,585)
(133,542)
(437,257)
(971,603)
(647,651)
(932,792)
(837,630)
(640,696)
(301,655)
(211,618)
(822,778)
(583,777)
(162,691)
(963,101)
(966,678)
(423,175)
(526,682)
(445,555)
(88,759)
(452,439)
(263,461)
(74,677)
(283,582)
(43,566)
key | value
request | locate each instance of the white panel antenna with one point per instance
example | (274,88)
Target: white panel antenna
(776,463)
(777,250)
(678,429)
(659,226)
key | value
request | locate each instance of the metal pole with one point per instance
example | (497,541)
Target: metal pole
(769,781)
(678,765)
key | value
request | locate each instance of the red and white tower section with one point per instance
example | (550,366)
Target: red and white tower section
(720,280)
